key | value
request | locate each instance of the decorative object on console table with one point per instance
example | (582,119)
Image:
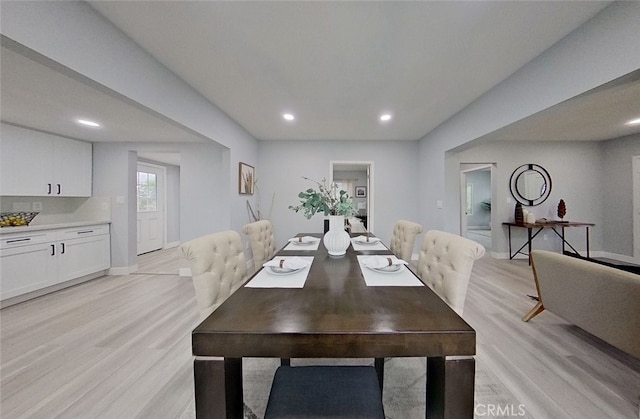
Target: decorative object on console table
(246,179)
(531,218)
(562,210)
(519,215)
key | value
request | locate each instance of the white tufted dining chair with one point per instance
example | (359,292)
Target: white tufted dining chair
(403,238)
(262,241)
(445,264)
(218,268)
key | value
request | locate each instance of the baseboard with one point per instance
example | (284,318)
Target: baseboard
(184,272)
(498,255)
(172,245)
(592,254)
(615,256)
(48,290)
(124,270)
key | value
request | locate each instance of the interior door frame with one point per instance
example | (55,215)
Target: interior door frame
(364,165)
(636,208)
(163,200)
(463,196)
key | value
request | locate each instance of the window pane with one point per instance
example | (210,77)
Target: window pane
(147,192)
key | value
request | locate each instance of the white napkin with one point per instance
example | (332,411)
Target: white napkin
(378,262)
(305,239)
(364,239)
(288,263)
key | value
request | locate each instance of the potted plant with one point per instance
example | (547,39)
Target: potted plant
(334,203)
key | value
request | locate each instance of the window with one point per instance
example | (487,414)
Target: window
(469,210)
(147,190)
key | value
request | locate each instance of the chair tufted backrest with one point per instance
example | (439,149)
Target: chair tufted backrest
(445,264)
(262,241)
(218,268)
(403,238)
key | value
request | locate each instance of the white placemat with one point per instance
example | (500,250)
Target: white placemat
(364,247)
(300,246)
(266,279)
(403,278)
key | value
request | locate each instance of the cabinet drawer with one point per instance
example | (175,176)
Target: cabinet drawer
(86,231)
(10,241)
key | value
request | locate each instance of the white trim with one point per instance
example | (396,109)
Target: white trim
(184,272)
(122,270)
(463,198)
(614,256)
(368,165)
(592,255)
(172,245)
(163,201)
(636,208)
(53,288)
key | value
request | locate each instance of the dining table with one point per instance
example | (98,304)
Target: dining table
(335,307)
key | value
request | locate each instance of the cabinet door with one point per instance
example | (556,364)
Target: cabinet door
(27,268)
(72,167)
(83,256)
(26,159)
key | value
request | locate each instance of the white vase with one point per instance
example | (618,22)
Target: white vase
(336,240)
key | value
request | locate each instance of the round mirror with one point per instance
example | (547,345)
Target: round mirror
(530,184)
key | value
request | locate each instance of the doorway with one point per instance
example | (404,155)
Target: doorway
(636,208)
(356,177)
(150,207)
(476,203)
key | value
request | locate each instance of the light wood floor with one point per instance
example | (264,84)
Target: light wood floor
(119,347)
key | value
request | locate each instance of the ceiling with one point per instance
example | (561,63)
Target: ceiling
(39,94)
(335,65)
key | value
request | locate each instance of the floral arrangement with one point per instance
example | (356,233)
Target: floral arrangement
(326,199)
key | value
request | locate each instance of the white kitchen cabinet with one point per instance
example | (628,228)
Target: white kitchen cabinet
(83,251)
(38,164)
(27,268)
(33,261)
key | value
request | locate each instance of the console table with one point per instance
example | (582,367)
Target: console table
(539,226)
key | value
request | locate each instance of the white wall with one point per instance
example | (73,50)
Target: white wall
(173,204)
(617,195)
(76,36)
(601,50)
(576,170)
(204,193)
(283,163)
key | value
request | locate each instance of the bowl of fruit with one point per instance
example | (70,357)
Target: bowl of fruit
(16,219)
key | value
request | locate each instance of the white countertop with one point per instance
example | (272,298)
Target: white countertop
(30,228)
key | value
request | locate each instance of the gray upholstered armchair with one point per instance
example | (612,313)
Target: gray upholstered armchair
(262,241)
(218,268)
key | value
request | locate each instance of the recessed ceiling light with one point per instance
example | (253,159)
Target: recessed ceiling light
(633,122)
(385,117)
(288,116)
(88,123)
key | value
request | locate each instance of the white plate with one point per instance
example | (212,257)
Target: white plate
(274,270)
(304,242)
(387,269)
(372,240)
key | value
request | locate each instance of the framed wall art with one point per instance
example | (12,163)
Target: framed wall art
(361,191)
(246,179)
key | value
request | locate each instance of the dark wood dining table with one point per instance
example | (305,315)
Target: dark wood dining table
(335,315)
